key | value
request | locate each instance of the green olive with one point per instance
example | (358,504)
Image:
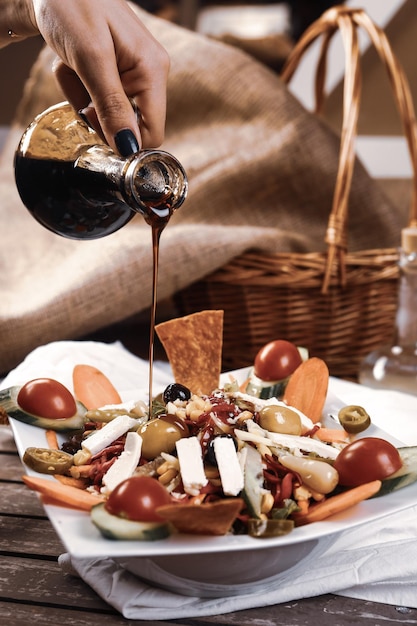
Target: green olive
(354,419)
(160,435)
(280,419)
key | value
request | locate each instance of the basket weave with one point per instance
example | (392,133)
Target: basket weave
(338,304)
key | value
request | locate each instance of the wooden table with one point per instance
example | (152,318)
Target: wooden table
(33,589)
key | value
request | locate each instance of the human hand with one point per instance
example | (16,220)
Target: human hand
(106,56)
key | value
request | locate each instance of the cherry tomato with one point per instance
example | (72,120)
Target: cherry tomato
(46,397)
(365,460)
(277,360)
(136,499)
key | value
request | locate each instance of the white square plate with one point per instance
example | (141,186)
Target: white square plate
(82,539)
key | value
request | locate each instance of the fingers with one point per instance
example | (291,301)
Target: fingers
(71,85)
(100,119)
(141,78)
(118,60)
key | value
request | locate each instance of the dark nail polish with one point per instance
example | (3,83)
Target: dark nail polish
(126,142)
(84,118)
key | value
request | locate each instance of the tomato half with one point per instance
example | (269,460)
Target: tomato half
(277,360)
(137,498)
(46,397)
(365,460)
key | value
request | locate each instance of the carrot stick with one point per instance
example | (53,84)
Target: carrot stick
(92,388)
(243,386)
(79,483)
(51,501)
(331,435)
(64,495)
(52,440)
(337,504)
(81,471)
(306,389)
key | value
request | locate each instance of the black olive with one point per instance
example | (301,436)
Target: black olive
(176,391)
(210,456)
(73,444)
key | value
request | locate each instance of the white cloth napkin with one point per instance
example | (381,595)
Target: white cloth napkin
(376,561)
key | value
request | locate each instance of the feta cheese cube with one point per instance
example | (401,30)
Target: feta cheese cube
(230,471)
(190,459)
(102,438)
(125,465)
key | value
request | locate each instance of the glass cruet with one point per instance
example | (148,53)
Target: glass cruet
(76,186)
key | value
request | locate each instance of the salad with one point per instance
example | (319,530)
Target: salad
(226,461)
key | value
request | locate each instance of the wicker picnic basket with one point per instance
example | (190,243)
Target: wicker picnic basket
(338,304)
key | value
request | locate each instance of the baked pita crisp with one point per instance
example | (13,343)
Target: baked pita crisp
(193,345)
(213,518)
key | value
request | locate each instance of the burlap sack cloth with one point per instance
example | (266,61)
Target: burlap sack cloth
(261,170)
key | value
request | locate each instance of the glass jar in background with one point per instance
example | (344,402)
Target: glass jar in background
(395,366)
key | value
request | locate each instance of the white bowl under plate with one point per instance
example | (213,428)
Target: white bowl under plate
(213,576)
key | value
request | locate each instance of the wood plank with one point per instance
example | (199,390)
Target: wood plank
(14,614)
(7,443)
(42,582)
(37,580)
(17,499)
(27,536)
(11,466)
(326,610)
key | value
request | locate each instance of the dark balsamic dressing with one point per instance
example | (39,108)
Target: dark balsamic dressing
(157,224)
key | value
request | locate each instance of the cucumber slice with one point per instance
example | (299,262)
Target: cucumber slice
(8,402)
(406,475)
(118,528)
(253,489)
(265,528)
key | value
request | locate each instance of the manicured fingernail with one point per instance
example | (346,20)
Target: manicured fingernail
(126,142)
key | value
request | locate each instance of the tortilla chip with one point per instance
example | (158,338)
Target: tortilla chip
(193,345)
(214,518)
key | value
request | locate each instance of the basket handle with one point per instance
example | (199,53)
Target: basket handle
(347,21)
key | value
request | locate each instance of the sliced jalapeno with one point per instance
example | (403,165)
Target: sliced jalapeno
(46,461)
(265,528)
(354,419)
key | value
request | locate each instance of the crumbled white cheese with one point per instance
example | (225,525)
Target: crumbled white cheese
(231,474)
(102,438)
(295,444)
(126,406)
(190,459)
(125,465)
